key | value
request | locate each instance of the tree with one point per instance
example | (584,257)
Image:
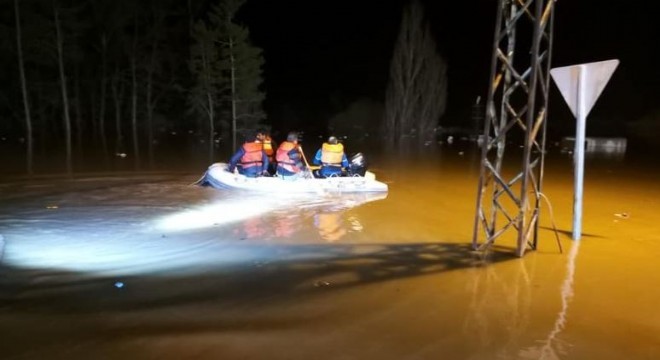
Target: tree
(82,61)
(241,64)
(104,80)
(416,95)
(63,83)
(205,67)
(154,67)
(73,27)
(120,33)
(26,102)
(112,33)
(117,86)
(63,46)
(150,99)
(134,95)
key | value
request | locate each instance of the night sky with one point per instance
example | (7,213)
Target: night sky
(322,55)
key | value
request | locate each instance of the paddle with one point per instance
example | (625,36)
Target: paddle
(306,163)
(319,187)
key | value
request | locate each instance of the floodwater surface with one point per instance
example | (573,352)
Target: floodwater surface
(150,267)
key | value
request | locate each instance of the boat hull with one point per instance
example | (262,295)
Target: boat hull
(217,176)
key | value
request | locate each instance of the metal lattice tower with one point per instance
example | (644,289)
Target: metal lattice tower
(516,111)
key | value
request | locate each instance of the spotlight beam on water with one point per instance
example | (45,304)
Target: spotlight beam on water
(216,214)
(138,240)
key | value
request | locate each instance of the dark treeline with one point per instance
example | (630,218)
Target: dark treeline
(123,85)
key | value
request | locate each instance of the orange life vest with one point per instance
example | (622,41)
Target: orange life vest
(268,148)
(252,156)
(332,154)
(283,158)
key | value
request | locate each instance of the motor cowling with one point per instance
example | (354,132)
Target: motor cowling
(357,165)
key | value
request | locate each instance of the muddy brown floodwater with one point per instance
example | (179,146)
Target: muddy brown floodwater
(90,273)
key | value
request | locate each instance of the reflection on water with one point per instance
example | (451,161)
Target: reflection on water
(330,225)
(553,346)
(598,147)
(500,309)
(328,214)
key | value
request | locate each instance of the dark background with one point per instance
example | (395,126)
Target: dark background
(324,56)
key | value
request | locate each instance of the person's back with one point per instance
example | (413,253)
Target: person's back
(332,158)
(288,157)
(269,148)
(250,159)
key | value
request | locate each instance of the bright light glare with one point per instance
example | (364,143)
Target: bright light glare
(126,255)
(122,240)
(217,214)
(242,208)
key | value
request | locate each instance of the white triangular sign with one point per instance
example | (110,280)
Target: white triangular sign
(596,76)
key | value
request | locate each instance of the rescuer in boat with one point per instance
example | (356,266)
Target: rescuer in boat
(289,158)
(269,146)
(250,159)
(332,159)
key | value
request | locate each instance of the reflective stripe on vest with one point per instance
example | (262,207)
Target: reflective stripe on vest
(252,156)
(332,154)
(268,148)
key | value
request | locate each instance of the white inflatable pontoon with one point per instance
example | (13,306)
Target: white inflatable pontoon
(217,176)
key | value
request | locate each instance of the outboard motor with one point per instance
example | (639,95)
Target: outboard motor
(357,165)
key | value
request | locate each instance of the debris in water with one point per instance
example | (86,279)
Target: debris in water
(321,284)
(52,207)
(623,215)
(119,284)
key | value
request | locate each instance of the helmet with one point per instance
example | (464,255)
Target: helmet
(292,136)
(332,140)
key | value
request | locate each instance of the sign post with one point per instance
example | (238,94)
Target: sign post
(580,86)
